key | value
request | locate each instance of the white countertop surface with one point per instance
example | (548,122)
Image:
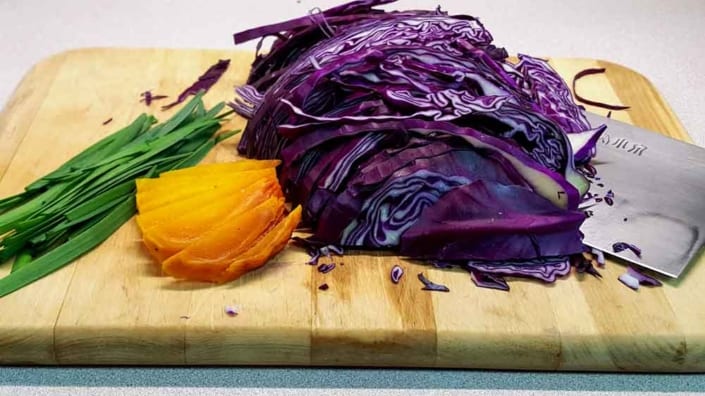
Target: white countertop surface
(663,40)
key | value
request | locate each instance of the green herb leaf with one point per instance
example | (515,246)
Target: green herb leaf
(22,259)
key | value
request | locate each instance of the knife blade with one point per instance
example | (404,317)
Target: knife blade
(659,197)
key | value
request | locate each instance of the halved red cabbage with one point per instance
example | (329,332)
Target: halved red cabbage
(410,130)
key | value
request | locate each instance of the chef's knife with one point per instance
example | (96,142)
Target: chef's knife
(659,197)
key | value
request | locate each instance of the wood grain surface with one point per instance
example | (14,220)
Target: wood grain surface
(113,306)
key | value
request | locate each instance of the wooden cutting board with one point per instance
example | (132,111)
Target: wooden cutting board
(113,307)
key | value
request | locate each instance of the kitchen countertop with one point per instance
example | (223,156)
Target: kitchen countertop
(324,381)
(662,40)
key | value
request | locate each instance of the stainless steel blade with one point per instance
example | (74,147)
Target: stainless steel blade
(659,197)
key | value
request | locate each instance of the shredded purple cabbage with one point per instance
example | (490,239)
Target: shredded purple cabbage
(488,280)
(599,256)
(331,249)
(589,171)
(317,249)
(633,278)
(326,268)
(621,246)
(545,269)
(396,274)
(584,265)
(643,278)
(629,281)
(445,264)
(430,286)
(588,72)
(314,258)
(204,82)
(411,131)
(148,98)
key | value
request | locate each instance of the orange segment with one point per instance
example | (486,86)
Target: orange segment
(157,193)
(208,256)
(264,249)
(221,168)
(173,231)
(192,182)
(221,192)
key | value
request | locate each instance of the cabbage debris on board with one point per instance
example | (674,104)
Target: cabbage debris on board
(411,131)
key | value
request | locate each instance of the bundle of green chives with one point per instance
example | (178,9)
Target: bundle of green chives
(73,209)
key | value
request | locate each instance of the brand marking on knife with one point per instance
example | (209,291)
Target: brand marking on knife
(623,144)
